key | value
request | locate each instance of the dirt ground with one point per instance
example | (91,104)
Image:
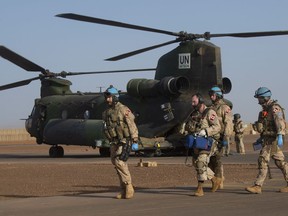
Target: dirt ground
(20,180)
(34,180)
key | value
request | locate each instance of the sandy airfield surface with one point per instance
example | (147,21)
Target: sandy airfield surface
(38,179)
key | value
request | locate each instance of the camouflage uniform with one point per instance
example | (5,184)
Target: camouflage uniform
(207,120)
(239,128)
(271,122)
(225,116)
(120,129)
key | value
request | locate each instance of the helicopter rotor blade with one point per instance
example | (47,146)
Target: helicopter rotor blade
(126,55)
(64,74)
(18,84)
(20,60)
(251,34)
(113,23)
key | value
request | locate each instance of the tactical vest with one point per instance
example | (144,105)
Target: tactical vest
(217,108)
(115,128)
(196,121)
(193,122)
(236,127)
(266,124)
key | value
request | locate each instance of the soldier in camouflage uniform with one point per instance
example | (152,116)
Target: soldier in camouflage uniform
(239,128)
(271,126)
(204,122)
(224,114)
(121,131)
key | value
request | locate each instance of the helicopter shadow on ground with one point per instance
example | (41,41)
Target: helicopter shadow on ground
(7,196)
(29,156)
(76,155)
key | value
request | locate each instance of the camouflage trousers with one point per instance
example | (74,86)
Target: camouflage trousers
(201,166)
(239,143)
(120,166)
(215,163)
(270,150)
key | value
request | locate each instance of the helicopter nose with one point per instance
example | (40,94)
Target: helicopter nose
(28,124)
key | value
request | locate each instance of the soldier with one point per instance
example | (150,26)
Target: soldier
(239,128)
(121,131)
(204,122)
(224,114)
(271,126)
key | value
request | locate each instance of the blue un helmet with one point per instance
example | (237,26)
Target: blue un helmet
(262,92)
(216,90)
(112,91)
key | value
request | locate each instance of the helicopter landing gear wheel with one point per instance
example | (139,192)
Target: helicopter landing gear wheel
(56,152)
(158,153)
(104,152)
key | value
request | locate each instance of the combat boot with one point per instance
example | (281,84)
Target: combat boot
(256,189)
(221,186)
(129,191)
(216,182)
(199,192)
(284,190)
(122,194)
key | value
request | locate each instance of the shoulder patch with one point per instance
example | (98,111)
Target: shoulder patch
(127,112)
(276,109)
(227,110)
(212,117)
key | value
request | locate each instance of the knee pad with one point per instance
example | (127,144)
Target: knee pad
(280,164)
(200,167)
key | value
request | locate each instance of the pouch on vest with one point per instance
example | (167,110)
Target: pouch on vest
(203,143)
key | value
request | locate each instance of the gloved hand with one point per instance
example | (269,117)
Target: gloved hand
(135,147)
(279,140)
(202,133)
(224,142)
(259,140)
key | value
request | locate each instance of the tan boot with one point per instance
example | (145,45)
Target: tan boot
(221,186)
(122,194)
(284,190)
(199,192)
(216,182)
(256,189)
(129,191)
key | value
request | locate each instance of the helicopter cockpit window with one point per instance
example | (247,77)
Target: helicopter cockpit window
(64,114)
(87,114)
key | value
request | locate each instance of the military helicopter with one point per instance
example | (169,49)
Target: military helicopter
(161,105)
(61,116)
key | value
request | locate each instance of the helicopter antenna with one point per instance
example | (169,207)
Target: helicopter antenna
(100,88)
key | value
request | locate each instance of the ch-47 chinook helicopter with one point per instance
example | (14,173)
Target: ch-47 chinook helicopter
(61,116)
(161,105)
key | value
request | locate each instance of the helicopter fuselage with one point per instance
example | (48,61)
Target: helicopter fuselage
(160,105)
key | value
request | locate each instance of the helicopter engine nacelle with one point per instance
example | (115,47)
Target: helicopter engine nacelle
(167,86)
(73,132)
(227,85)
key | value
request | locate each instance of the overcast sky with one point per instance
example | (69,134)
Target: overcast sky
(30,28)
